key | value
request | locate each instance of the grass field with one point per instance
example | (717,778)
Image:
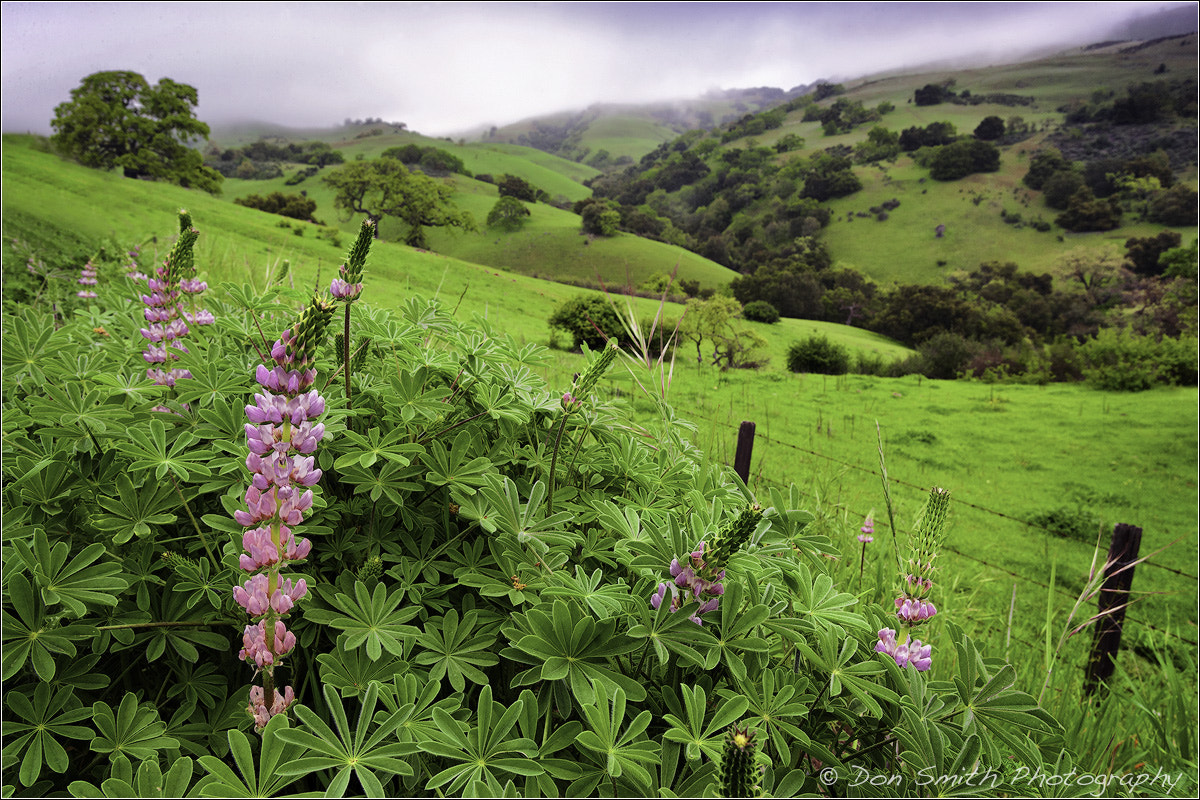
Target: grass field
(1006,452)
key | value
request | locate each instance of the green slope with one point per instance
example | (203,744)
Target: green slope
(56,206)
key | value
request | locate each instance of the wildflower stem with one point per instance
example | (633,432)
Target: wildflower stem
(170,624)
(195,524)
(887,495)
(554,463)
(346,355)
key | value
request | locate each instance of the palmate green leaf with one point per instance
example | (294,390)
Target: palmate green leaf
(29,341)
(525,522)
(673,632)
(78,415)
(735,632)
(856,675)
(133,730)
(150,782)
(31,726)
(570,646)
(601,598)
(261,780)
(134,510)
(483,748)
(688,725)
(622,754)
(414,397)
(372,619)
(148,448)
(351,671)
(30,636)
(360,751)
(388,480)
(453,649)
(75,584)
(455,467)
(778,700)
(366,450)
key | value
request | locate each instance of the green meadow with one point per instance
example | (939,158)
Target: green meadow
(1006,452)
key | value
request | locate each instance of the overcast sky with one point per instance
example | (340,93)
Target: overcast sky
(444,68)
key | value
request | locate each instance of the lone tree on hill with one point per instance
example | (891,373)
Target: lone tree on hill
(117,119)
(386,188)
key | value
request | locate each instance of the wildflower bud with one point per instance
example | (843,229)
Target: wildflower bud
(737,764)
(730,539)
(596,370)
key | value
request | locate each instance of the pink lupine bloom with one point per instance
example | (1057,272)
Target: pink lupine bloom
(258,707)
(686,577)
(912,610)
(280,435)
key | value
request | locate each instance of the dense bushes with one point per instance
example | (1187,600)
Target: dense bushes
(761,311)
(587,319)
(286,205)
(818,354)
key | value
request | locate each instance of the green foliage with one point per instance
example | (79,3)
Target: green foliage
(760,311)
(989,129)
(385,188)
(508,214)
(286,205)
(1174,206)
(600,218)
(117,119)
(1122,361)
(587,319)
(957,160)
(1087,213)
(716,321)
(818,354)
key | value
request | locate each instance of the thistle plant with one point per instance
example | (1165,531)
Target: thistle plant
(281,437)
(572,401)
(703,575)
(347,287)
(912,606)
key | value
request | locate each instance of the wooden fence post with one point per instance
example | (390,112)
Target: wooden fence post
(1114,599)
(745,448)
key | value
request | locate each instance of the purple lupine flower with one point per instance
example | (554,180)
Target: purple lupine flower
(280,435)
(868,528)
(688,583)
(912,610)
(865,538)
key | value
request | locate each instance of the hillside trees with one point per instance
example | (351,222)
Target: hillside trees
(508,214)
(386,188)
(286,205)
(957,160)
(118,119)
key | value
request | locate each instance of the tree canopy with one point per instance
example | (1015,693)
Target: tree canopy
(117,119)
(386,188)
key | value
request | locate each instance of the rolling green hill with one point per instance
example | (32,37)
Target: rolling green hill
(61,209)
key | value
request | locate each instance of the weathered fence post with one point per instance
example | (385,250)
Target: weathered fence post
(1114,598)
(745,448)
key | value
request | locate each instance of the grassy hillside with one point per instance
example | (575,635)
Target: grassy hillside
(59,207)
(1019,451)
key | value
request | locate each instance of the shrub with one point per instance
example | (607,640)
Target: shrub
(508,214)
(587,319)
(1086,213)
(761,311)
(945,355)
(286,205)
(818,354)
(1122,361)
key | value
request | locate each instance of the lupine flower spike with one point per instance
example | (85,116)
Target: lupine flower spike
(166,326)
(866,536)
(347,287)
(700,577)
(738,774)
(87,279)
(912,607)
(572,401)
(281,436)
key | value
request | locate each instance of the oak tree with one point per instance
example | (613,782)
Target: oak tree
(118,119)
